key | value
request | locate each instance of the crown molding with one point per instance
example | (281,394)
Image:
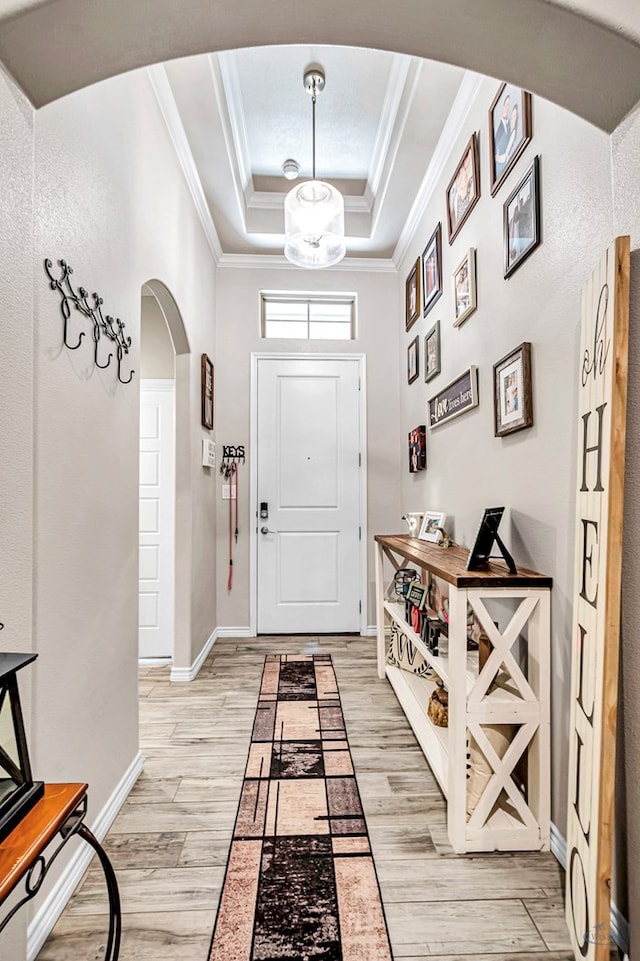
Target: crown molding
(241,158)
(227,131)
(280,262)
(465,98)
(411,84)
(388,136)
(269,200)
(171,115)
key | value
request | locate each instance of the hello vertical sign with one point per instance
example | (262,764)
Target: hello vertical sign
(602,404)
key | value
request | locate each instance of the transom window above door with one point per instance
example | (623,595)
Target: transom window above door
(297,316)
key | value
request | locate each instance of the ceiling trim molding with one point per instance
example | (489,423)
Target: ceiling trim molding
(279,261)
(267,200)
(227,63)
(227,131)
(465,98)
(387,124)
(404,108)
(171,115)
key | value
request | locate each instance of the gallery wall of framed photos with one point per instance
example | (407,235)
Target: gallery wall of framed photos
(520,207)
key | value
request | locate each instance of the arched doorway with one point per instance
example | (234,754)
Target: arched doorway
(164,484)
(558,50)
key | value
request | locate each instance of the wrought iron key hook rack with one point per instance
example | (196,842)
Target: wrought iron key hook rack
(90,306)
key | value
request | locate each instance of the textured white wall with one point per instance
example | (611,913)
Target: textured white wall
(109,198)
(238,334)
(16,403)
(531,472)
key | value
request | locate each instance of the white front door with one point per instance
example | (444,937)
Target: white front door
(157,512)
(308,475)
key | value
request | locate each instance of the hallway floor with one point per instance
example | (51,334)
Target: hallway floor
(169,843)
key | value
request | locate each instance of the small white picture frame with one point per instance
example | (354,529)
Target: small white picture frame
(432,525)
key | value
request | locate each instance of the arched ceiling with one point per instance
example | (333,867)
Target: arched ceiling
(576,53)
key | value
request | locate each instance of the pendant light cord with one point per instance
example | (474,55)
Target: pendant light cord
(313,126)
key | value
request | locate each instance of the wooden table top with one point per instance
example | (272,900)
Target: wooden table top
(30,837)
(450,564)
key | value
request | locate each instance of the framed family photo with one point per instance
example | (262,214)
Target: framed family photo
(413,360)
(509,131)
(207,393)
(463,191)
(521,219)
(432,352)
(512,391)
(418,449)
(464,288)
(432,524)
(412,296)
(432,270)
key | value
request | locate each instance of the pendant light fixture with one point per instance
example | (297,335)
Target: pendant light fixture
(314,210)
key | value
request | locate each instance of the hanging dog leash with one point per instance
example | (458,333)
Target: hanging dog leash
(232,476)
(231,458)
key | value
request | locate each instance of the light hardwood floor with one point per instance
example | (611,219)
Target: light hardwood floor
(169,843)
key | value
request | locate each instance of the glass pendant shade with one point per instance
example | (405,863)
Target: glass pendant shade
(314,225)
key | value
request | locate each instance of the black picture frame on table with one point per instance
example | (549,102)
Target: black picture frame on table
(413,360)
(521,221)
(432,352)
(432,270)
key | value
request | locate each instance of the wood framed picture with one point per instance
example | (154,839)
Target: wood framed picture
(509,131)
(512,391)
(463,191)
(418,449)
(458,397)
(412,296)
(432,270)
(521,219)
(432,352)
(413,360)
(207,393)
(464,288)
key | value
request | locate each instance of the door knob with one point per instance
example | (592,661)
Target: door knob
(265,530)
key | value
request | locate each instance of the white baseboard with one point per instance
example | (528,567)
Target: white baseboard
(190,673)
(558,846)
(370,631)
(618,924)
(56,901)
(235,632)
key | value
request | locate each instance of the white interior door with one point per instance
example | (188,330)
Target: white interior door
(157,519)
(308,473)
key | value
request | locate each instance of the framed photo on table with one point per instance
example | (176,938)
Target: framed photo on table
(207,393)
(521,220)
(463,192)
(464,288)
(512,391)
(509,131)
(432,524)
(412,296)
(432,352)
(432,270)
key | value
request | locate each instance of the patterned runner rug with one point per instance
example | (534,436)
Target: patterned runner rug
(300,882)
